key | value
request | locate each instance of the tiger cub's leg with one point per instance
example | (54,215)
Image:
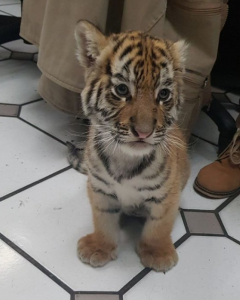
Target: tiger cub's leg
(100,247)
(155,248)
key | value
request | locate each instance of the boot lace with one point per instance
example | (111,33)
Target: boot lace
(233,150)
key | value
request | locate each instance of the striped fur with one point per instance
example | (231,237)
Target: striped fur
(126,174)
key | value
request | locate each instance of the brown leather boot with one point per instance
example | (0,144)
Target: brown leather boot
(221,178)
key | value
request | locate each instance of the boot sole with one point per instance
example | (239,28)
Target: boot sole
(210,194)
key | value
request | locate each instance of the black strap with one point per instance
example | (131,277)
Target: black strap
(114,16)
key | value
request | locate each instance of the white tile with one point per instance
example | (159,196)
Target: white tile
(230,216)
(234,97)
(2,2)
(201,154)
(208,268)
(18,81)
(206,128)
(20,280)
(61,125)
(179,229)
(14,9)
(19,46)
(4,53)
(26,155)
(47,225)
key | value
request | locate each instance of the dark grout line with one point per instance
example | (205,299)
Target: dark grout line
(12,104)
(36,263)
(225,203)
(221,224)
(32,101)
(4,59)
(7,49)
(184,221)
(198,210)
(182,240)
(134,281)
(19,111)
(233,239)
(34,183)
(208,234)
(72,296)
(95,293)
(48,134)
(4,116)
(209,142)
(120,297)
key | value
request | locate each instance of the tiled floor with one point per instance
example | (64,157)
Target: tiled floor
(44,210)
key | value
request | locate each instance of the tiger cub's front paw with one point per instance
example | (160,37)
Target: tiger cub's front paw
(95,251)
(161,259)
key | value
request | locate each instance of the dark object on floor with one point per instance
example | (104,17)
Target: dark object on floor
(9,29)
(226,71)
(226,74)
(224,121)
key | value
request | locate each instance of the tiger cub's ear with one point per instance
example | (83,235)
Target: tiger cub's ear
(179,53)
(90,42)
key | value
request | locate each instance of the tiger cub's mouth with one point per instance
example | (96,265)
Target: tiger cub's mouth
(140,144)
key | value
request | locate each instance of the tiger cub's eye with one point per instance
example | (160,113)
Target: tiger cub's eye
(122,90)
(163,95)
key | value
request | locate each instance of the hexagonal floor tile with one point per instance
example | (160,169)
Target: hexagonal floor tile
(26,155)
(20,46)
(24,76)
(47,220)
(208,268)
(63,126)
(20,280)
(230,216)
(201,154)
(4,53)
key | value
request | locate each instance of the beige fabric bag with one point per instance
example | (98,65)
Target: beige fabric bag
(50,25)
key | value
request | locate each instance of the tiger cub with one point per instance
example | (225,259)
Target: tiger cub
(135,156)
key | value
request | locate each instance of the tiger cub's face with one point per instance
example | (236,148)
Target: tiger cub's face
(133,85)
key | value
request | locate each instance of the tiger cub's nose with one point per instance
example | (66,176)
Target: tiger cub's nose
(140,133)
